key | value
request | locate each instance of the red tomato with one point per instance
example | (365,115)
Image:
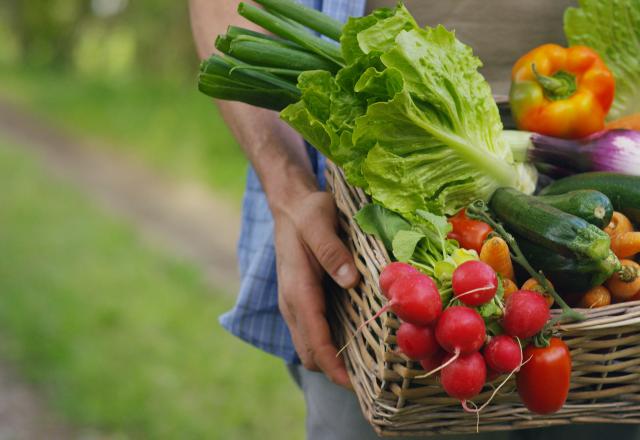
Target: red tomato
(470,234)
(543,381)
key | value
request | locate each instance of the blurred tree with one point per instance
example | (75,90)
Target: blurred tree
(164,43)
(49,32)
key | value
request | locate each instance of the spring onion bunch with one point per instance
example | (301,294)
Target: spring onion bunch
(261,69)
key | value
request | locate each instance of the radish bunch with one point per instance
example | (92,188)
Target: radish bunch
(454,341)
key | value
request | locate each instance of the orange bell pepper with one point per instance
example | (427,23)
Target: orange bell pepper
(561,92)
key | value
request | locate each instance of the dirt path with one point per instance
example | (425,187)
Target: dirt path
(24,415)
(185,219)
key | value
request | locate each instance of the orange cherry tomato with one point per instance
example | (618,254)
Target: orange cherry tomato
(625,284)
(598,296)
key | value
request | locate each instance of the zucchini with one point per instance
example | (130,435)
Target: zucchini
(621,189)
(549,227)
(588,204)
(568,274)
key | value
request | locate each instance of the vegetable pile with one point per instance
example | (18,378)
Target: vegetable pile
(405,113)
(467,349)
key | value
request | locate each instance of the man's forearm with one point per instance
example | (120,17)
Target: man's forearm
(276,151)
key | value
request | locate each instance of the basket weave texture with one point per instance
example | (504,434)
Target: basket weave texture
(605,350)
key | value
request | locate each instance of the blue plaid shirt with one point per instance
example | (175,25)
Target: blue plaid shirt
(255,318)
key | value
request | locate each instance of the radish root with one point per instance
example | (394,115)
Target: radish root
(435,370)
(477,289)
(363,325)
(476,410)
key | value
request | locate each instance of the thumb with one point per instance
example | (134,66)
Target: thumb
(332,254)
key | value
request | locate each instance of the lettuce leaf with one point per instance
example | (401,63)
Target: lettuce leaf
(612,28)
(404,244)
(410,119)
(422,241)
(384,224)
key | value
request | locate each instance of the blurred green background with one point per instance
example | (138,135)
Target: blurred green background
(124,71)
(119,337)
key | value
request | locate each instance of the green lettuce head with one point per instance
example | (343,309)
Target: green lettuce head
(410,119)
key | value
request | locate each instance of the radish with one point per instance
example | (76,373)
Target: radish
(391,273)
(460,330)
(503,354)
(434,361)
(474,283)
(472,372)
(416,342)
(415,299)
(525,314)
(464,377)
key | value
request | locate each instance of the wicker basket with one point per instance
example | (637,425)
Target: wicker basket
(605,349)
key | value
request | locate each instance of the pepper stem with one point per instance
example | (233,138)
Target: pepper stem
(560,85)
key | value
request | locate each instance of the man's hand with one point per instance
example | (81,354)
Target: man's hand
(307,246)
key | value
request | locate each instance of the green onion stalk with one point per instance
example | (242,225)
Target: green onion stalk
(262,69)
(263,52)
(223,77)
(308,17)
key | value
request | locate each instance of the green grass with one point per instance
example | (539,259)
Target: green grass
(119,336)
(167,124)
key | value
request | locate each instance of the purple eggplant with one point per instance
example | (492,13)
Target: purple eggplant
(616,151)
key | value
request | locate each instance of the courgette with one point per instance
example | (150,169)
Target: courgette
(568,274)
(549,227)
(589,205)
(621,189)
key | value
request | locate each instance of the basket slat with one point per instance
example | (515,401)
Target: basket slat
(605,348)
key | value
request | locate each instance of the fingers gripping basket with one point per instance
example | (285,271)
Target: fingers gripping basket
(605,349)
